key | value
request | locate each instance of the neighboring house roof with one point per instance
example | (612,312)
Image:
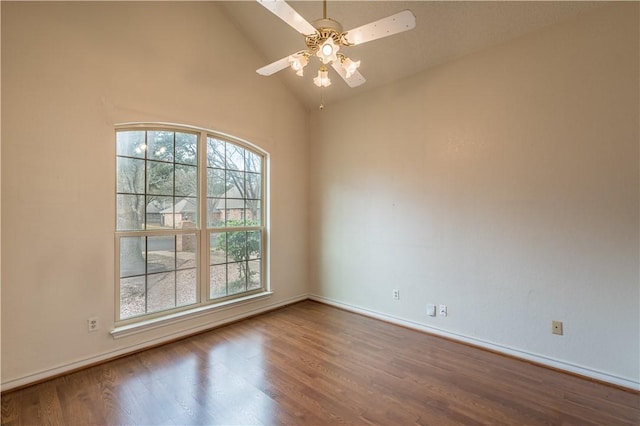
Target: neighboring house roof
(233,203)
(234,200)
(233,193)
(186,205)
(152,208)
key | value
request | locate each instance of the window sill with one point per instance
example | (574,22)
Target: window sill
(143,326)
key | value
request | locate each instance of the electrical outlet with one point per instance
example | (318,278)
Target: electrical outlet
(396,294)
(443,310)
(556,327)
(94,323)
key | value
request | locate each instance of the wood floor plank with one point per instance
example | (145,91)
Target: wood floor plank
(311,364)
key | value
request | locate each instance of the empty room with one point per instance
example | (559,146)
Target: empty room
(308,212)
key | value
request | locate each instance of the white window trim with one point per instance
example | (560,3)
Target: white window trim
(132,326)
(177,317)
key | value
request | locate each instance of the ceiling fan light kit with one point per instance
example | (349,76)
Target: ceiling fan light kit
(298,61)
(325,38)
(322,80)
(328,51)
(349,66)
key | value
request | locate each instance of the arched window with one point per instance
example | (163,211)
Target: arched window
(190,227)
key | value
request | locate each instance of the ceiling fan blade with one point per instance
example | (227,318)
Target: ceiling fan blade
(274,67)
(384,27)
(355,80)
(288,14)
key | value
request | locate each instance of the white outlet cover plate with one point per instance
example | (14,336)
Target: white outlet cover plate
(443,310)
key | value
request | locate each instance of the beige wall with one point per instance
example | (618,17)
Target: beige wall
(70,71)
(504,185)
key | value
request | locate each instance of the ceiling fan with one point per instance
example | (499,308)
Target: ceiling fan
(324,38)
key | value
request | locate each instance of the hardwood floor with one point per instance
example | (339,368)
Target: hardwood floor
(311,364)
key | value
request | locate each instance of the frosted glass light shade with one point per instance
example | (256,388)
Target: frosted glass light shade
(322,80)
(328,51)
(350,67)
(298,62)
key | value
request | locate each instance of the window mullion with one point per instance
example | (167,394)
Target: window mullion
(146,273)
(203,267)
(146,237)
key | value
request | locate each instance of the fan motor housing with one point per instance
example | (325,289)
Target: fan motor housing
(328,24)
(325,28)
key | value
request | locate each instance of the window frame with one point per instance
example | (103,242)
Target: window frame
(202,230)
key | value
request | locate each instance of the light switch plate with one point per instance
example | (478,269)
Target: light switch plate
(431,310)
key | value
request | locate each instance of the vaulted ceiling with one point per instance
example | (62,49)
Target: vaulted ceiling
(444,32)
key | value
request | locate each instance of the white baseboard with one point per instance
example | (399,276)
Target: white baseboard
(539,359)
(62,369)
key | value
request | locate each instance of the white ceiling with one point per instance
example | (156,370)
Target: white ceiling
(444,31)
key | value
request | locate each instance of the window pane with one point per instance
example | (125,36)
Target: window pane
(186,148)
(130,143)
(235,184)
(160,212)
(215,183)
(234,212)
(160,145)
(186,180)
(186,251)
(254,275)
(132,256)
(161,292)
(186,213)
(253,161)
(235,157)
(236,246)
(237,277)
(186,287)
(130,212)
(254,245)
(252,186)
(130,176)
(161,254)
(132,297)
(218,281)
(215,153)
(215,212)
(159,178)
(217,248)
(252,213)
